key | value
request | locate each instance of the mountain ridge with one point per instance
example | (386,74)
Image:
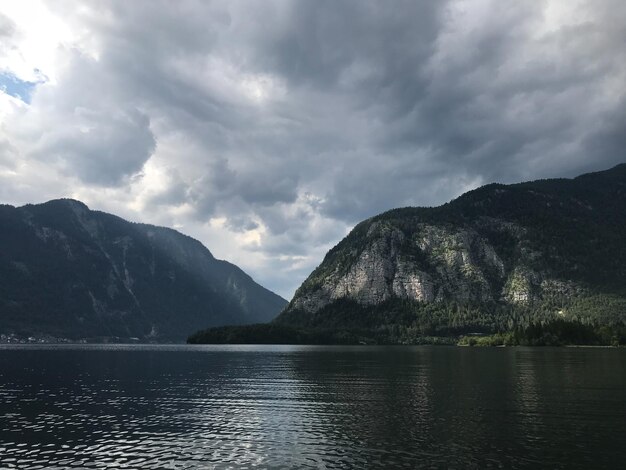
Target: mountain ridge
(68,271)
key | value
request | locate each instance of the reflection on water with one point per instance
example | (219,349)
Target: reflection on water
(320,407)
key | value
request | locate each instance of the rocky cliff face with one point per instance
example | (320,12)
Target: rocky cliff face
(67,271)
(431,264)
(551,241)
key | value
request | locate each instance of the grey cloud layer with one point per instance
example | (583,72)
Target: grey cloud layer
(303,117)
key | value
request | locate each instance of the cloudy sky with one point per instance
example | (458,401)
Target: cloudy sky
(267,129)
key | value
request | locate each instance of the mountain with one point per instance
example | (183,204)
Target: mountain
(498,257)
(67,271)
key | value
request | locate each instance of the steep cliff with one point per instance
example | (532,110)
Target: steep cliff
(70,272)
(549,247)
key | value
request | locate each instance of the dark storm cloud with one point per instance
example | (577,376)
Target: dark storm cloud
(330,44)
(116,146)
(608,142)
(297,119)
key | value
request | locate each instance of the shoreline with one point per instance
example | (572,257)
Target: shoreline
(139,344)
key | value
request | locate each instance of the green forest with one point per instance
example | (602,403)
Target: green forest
(399,321)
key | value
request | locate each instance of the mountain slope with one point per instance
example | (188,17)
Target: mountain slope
(543,249)
(71,272)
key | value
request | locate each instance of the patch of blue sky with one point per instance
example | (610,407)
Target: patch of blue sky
(13,86)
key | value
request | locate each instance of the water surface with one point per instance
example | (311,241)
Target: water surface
(318,407)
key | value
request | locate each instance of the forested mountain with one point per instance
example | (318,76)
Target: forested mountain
(70,272)
(496,258)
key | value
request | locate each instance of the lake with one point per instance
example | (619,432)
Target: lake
(311,407)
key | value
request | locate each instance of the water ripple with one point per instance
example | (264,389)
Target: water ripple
(303,407)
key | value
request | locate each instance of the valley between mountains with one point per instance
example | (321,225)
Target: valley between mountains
(541,262)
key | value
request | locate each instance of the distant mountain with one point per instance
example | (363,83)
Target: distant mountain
(67,271)
(495,258)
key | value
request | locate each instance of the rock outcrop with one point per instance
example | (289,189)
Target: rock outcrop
(430,264)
